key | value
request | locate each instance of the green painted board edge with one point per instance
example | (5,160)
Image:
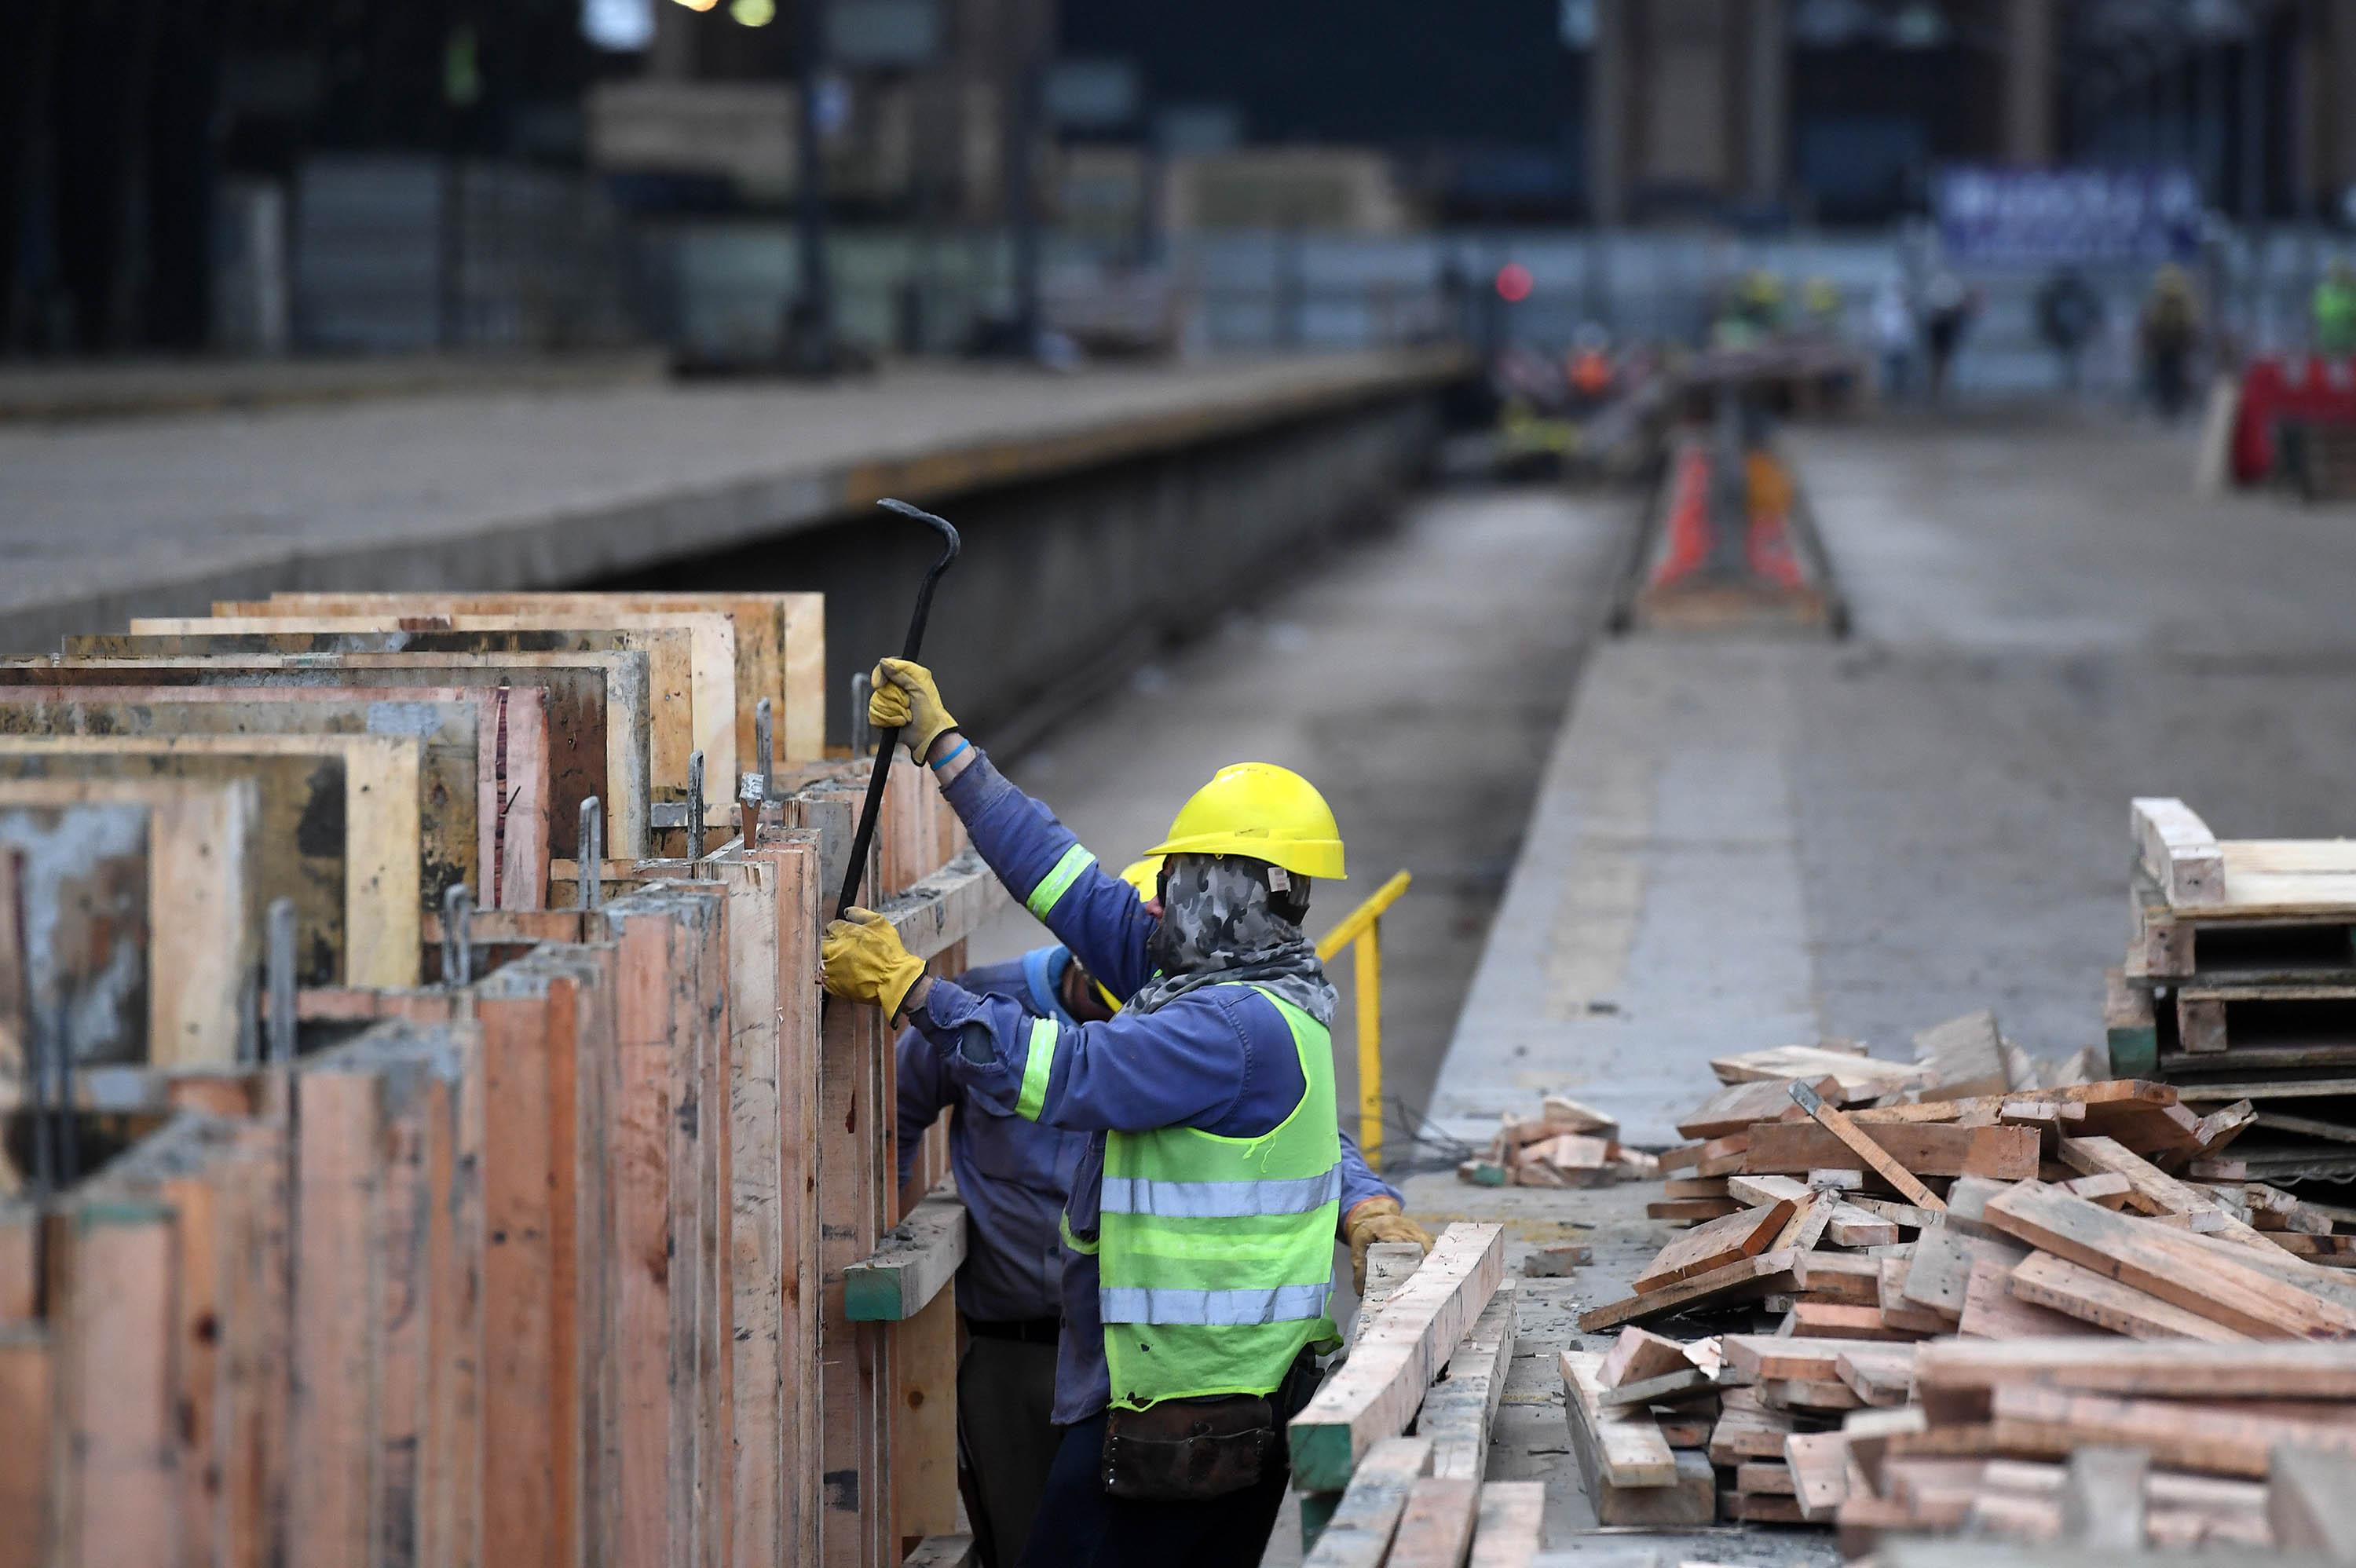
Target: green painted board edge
(872,1296)
(2135,1051)
(1322,1460)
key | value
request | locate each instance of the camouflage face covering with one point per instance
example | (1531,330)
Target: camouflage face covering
(1217,929)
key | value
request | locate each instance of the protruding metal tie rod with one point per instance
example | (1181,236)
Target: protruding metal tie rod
(589,851)
(694,813)
(457,936)
(278,965)
(885,740)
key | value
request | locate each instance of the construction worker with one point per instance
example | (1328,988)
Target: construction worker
(1014,1176)
(2335,312)
(1201,1217)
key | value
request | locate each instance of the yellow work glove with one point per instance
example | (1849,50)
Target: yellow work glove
(1377,1220)
(864,962)
(905,698)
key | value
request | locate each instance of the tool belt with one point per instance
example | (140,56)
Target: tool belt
(1188,1450)
(1192,1450)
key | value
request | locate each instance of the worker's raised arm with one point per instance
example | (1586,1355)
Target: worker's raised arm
(1096,915)
(925,1090)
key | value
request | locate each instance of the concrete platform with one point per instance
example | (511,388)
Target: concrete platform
(518,489)
(1746,842)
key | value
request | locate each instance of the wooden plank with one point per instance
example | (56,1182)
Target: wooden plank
(919,1256)
(1377,1390)
(765,1445)
(1817,1462)
(2167,1264)
(1992,1312)
(1766,1275)
(1435,1529)
(2211,1440)
(2079,1291)
(1860,1077)
(113,1304)
(1733,1109)
(1963,1057)
(1459,1410)
(596,710)
(1365,1521)
(2006,1154)
(2178,851)
(28,1404)
(2098,1156)
(1762,1358)
(333,1490)
(924,1444)
(1938,1273)
(1834,1321)
(1878,1377)
(1714,1246)
(1639,1354)
(1618,1445)
(1511,1529)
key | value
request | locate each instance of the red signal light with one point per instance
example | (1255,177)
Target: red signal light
(1514,283)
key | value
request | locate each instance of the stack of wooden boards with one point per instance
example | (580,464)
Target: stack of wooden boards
(1862,1244)
(586,1257)
(1389,1454)
(2240,984)
(1569,1145)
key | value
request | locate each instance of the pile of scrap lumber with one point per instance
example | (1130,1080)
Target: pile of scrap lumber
(1569,1145)
(2240,984)
(427,1140)
(1389,1457)
(1902,1304)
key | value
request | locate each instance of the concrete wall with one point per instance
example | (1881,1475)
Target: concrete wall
(1065,585)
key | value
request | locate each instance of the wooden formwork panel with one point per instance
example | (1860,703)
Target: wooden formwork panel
(595,706)
(340,829)
(668,652)
(781,643)
(487,746)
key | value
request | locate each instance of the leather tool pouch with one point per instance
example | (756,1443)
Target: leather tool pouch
(1188,1450)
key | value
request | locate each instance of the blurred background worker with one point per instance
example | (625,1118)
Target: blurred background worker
(1202,1215)
(2170,328)
(2335,312)
(1013,1176)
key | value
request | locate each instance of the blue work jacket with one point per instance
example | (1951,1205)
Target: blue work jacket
(1221,1059)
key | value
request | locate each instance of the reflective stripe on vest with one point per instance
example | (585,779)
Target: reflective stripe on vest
(1058,880)
(1037,1062)
(1218,1199)
(1215,1309)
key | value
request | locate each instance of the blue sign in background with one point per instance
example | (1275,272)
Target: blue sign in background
(2052,217)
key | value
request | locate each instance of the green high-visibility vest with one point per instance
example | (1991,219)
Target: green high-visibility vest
(1215,1254)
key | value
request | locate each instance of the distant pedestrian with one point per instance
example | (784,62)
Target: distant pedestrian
(1893,317)
(2069,314)
(2335,312)
(1947,311)
(2170,330)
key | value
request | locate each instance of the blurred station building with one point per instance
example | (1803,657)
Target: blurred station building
(261,177)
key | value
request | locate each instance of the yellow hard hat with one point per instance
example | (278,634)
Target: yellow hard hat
(1144,875)
(1259,809)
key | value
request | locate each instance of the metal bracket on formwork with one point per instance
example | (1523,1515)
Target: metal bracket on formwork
(589,868)
(862,734)
(694,813)
(279,967)
(457,935)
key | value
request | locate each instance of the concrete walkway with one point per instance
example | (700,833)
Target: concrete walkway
(515,489)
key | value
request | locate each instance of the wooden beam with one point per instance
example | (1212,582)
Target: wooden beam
(1435,1529)
(1458,1412)
(918,1257)
(28,1407)
(1378,1390)
(1766,1275)
(1359,1535)
(1512,1526)
(1622,1448)
(2063,1286)
(2308,1503)
(2102,1498)
(2178,851)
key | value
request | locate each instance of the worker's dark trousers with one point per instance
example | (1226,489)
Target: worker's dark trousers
(1006,1440)
(1080,1526)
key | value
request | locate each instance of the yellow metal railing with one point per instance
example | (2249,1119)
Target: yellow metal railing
(1362,930)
